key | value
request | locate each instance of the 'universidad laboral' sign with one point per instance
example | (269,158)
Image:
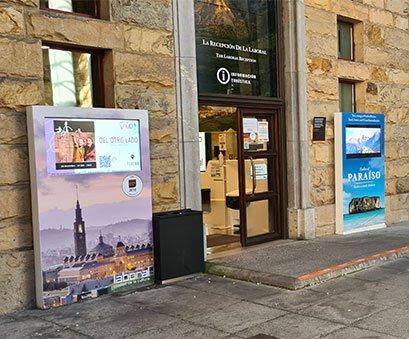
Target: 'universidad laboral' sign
(91,198)
(359,171)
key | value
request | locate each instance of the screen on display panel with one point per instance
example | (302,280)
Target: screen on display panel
(363,141)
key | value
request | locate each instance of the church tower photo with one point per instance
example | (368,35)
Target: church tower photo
(80,244)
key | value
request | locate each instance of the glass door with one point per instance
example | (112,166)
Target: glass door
(259,175)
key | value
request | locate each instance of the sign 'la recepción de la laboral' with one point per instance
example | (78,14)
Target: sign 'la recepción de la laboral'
(235,56)
(359,171)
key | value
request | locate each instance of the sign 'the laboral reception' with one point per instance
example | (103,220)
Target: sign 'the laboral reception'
(91,198)
(359,172)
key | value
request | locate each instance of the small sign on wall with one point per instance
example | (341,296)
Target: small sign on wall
(318,132)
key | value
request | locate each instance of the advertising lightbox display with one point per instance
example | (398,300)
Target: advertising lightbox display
(91,201)
(359,172)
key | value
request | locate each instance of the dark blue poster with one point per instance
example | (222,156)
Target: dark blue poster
(363,172)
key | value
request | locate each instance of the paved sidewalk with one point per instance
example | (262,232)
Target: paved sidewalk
(373,304)
(297,264)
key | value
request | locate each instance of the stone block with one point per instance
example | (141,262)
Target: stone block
(399,77)
(403,114)
(14,166)
(397,39)
(165,166)
(139,68)
(15,234)
(323,195)
(322,175)
(12,20)
(351,9)
(162,128)
(163,150)
(325,215)
(398,201)
(325,230)
(322,45)
(16,281)
(402,185)
(322,87)
(323,108)
(352,70)
(397,6)
(381,17)
(146,96)
(375,3)
(32,3)
(150,41)
(76,30)
(165,189)
(15,201)
(322,153)
(145,13)
(401,22)
(379,74)
(14,128)
(16,94)
(21,58)
(322,4)
(397,168)
(318,65)
(374,35)
(320,22)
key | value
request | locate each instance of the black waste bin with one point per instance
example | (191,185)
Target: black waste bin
(178,244)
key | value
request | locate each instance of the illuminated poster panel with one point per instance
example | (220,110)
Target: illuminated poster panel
(91,198)
(359,171)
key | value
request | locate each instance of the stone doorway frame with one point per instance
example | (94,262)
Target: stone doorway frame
(301,216)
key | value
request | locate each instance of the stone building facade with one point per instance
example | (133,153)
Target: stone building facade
(149,63)
(381,75)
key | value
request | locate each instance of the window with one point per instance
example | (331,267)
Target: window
(72,77)
(84,7)
(345,40)
(346,96)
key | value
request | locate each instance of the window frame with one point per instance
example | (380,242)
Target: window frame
(97,10)
(97,69)
(348,82)
(351,24)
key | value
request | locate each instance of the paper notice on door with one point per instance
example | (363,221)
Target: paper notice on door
(263,131)
(250,125)
(261,171)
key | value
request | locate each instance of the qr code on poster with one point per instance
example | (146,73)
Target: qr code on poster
(105,161)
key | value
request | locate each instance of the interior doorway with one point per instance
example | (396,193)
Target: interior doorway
(240,176)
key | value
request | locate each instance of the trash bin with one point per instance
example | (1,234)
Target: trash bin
(178,244)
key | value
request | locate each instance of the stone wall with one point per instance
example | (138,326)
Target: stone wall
(381,70)
(138,72)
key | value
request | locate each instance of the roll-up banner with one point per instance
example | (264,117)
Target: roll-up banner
(91,202)
(359,172)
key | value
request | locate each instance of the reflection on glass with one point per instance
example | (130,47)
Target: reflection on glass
(67,78)
(236,47)
(255,134)
(256,175)
(258,217)
(87,7)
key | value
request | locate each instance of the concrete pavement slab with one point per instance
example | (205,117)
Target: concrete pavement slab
(228,287)
(27,328)
(341,310)
(355,332)
(193,303)
(390,321)
(122,325)
(238,317)
(182,329)
(291,326)
(292,300)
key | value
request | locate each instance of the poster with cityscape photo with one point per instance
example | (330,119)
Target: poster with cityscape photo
(92,217)
(360,171)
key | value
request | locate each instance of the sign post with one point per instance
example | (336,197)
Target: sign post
(91,201)
(359,172)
